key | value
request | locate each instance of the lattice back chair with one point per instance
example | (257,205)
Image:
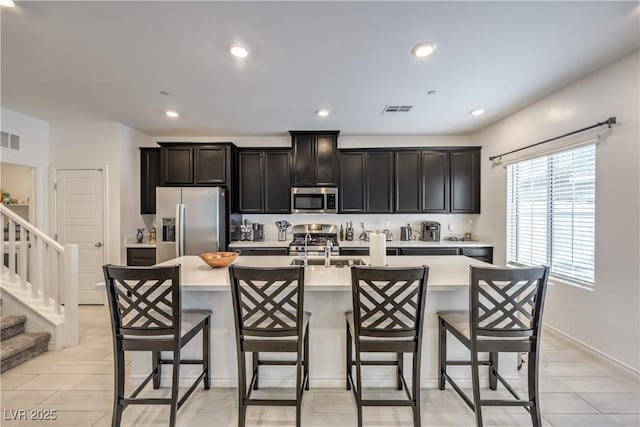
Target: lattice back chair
(505,315)
(269,316)
(387,317)
(146,315)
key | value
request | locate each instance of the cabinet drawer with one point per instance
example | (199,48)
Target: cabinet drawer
(482,254)
(141,257)
(429,251)
(365,251)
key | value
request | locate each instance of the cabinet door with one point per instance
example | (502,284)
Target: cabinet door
(210,165)
(325,160)
(251,188)
(177,163)
(352,181)
(277,182)
(408,182)
(482,254)
(435,181)
(141,257)
(262,251)
(149,179)
(379,182)
(303,160)
(465,181)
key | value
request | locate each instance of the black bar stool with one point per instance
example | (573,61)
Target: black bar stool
(505,316)
(269,317)
(146,315)
(387,316)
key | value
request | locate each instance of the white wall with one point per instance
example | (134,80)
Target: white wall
(34,152)
(607,318)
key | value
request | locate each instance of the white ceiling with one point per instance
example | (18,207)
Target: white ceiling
(80,61)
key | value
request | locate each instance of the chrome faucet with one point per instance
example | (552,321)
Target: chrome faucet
(327,253)
(306,255)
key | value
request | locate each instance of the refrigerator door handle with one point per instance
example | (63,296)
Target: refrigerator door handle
(178,234)
(183,234)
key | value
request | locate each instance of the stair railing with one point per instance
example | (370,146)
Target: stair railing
(35,263)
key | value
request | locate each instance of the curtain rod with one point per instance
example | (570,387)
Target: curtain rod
(610,121)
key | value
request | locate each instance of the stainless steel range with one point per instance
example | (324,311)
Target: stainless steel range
(317,237)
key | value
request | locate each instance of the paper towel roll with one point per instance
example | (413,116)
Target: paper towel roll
(377,250)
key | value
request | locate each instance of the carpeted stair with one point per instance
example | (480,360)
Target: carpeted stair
(16,346)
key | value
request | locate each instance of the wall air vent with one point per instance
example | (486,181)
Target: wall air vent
(9,140)
(396,110)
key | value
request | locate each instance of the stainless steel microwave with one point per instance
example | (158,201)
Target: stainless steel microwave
(314,200)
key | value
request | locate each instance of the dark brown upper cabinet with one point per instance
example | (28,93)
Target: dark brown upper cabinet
(366,182)
(351,194)
(465,181)
(264,184)
(379,182)
(408,181)
(184,164)
(435,181)
(314,158)
(149,178)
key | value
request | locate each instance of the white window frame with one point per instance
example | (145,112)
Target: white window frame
(513,240)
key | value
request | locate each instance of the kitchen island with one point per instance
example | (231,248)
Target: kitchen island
(327,297)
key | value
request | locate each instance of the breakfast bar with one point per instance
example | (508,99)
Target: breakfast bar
(327,296)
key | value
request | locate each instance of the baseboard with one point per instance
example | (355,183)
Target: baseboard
(595,352)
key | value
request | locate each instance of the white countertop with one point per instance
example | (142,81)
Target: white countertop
(130,242)
(364,244)
(446,272)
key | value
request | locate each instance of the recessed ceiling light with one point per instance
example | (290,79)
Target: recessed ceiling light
(423,49)
(476,112)
(323,112)
(7,3)
(239,51)
(172,114)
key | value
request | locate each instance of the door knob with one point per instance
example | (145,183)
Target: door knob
(98,244)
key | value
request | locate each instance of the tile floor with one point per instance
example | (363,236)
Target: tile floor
(576,390)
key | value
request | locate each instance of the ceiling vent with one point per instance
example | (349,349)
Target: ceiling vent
(396,110)
(9,140)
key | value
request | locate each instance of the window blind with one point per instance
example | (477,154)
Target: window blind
(551,213)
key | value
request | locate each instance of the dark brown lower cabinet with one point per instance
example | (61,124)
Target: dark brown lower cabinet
(429,251)
(365,251)
(257,251)
(141,257)
(482,254)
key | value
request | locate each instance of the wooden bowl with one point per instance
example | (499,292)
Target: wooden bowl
(219,259)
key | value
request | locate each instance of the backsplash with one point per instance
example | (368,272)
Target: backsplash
(451,225)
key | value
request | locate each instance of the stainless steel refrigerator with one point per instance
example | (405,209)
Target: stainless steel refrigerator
(192,220)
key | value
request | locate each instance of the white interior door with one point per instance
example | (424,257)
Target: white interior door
(80,220)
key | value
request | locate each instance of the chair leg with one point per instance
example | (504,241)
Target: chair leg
(299,388)
(400,360)
(532,380)
(475,379)
(242,387)
(306,358)
(255,358)
(175,388)
(157,367)
(493,369)
(349,357)
(358,387)
(118,389)
(206,354)
(417,417)
(442,353)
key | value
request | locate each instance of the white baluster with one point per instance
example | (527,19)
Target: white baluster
(36,283)
(12,250)
(24,258)
(56,275)
(46,273)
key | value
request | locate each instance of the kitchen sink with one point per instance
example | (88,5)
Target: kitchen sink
(337,262)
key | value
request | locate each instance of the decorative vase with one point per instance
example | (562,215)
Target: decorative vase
(140,235)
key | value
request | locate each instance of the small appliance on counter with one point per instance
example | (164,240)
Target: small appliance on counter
(257,232)
(406,233)
(430,231)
